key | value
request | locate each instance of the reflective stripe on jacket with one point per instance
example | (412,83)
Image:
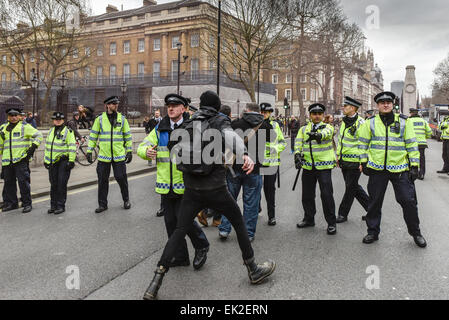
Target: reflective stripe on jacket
(63,144)
(14,144)
(348,142)
(274,149)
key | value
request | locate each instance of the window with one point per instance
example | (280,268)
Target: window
(63,53)
(32,56)
(87,75)
(303,78)
(127,19)
(100,76)
(288,78)
(126,71)
(112,74)
(224,46)
(42,73)
(3,60)
(211,41)
(195,40)
(194,68)
(304,94)
(275,64)
(13,59)
(3,79)
(75,75)
(99,23)
(141,70)
(174,42)
(171,11)
(288,94)
(113,21)
(75,53)
(235,47)
(113,49)
(155,14)
(312,95)
(87,51)
(141,17)
(22,58)
(275,79)
(13,77)
(41,57)
(156,71)
(141,45)
(157,44)
(126,47)
(100,50)
(174,69)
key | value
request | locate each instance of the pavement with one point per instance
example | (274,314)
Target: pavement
(116,252)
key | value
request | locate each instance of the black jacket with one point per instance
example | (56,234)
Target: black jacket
(251,121)
(217,178)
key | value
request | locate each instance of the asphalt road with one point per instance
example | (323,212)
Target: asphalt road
(116,252)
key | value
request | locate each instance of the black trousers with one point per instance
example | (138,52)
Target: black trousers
(194,201)
(353,191)
(103,172)
(309,180)
(171,216)
(59,177)
(18,172)
(405,193)
(422,161)
(269,189)
(446,155)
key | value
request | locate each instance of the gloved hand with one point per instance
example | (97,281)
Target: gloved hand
(298,161)
(47,165)
(89,157)
(315,136)
(70,165)
(30,151)
(413,174)
(365,169)
(129,157)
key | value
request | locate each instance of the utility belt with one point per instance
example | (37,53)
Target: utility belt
(62,158)
(346,165)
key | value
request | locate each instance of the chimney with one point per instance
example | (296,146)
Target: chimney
(110,8)
(149,2)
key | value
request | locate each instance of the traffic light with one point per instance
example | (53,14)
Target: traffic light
(286,105)
(397,104)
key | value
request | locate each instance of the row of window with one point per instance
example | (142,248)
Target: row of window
(288,94)
(288,78)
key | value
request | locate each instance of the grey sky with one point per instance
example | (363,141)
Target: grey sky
(411,32)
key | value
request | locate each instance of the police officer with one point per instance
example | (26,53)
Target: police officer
(422,132)
(390,153)
(18,142)
(272,160)
(314,141)
(369,113)
(170,183)
(59,159)
(111,133)
(444,128)
(348,158)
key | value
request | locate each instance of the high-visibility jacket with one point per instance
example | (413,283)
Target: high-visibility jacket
(60,145)
(320,156)
(168,176)
(114,142)
(422,130)
(444,128)
(393,148)
(348,142)
(274,149)
(14,144)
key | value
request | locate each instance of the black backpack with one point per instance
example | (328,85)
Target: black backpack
(189,159)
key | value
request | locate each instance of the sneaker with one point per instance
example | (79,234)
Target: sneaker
(223,235)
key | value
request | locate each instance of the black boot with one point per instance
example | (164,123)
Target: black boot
(155,284)
(258,272)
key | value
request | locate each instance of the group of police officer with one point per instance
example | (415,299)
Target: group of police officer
(385,147)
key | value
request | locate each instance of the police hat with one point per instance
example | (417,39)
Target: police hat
(13,111)
(369,111)
(58,116)
(352,102)
(266,107)
(413,110)
(385,96)
(193,108)
(317,107)
(174,98)
(112,100)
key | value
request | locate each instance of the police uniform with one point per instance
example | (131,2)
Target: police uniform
(18,143)
(59,159)
(272,160)
(112,135)
(369,113)
(170,185)
(422,132)
(444,128)
(390,153)
(348,155)
(314,142)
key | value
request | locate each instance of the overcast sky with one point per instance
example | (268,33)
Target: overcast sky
(411,32)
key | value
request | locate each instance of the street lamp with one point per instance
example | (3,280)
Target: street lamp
(179,47)
(258,73)
(61,96)
(124,88)
(34,83)
(219,47)
(238,108)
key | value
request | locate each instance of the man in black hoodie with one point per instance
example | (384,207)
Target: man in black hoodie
(251,183)
(210,191)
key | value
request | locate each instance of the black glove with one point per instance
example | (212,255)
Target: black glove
(365,169)
(413,174)
(89,157)
(30,151)
(298,161)
(443,127)
(47,165)
(70,165)
(318,137)
(129,157)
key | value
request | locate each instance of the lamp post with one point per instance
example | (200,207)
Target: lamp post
(179,47)
(124,88)
(238,108)
(219,47)
(62,105)
(34,83)
(258,74)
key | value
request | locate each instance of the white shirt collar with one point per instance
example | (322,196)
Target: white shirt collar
(172,123)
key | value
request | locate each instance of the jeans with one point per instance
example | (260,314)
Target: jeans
(252,186)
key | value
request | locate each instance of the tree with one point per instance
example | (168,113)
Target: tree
(441,81)
(50,33)
(251,30)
